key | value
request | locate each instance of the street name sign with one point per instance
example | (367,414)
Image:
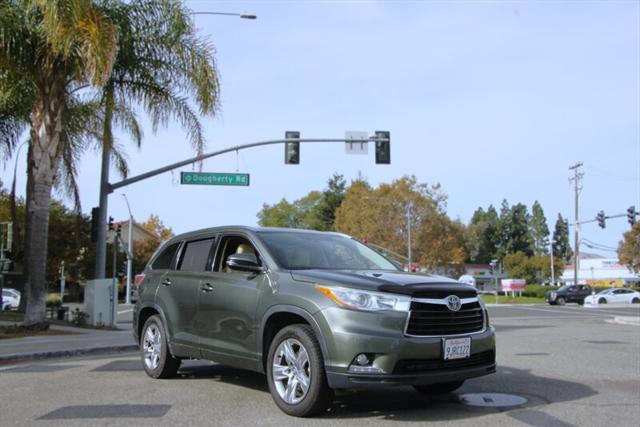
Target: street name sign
(214,178)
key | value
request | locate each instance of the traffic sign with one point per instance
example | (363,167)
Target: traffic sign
(357,142)
(213,178)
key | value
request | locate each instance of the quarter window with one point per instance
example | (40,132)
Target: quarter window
(196,255)
(165,259)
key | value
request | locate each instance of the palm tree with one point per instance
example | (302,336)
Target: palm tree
(162,66)
(51,45)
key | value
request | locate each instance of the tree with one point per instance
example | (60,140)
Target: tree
(519,236)
(332,198)
(52,46)
(561,247)
(315,211)
(629,249)
(483,236)
(539,230)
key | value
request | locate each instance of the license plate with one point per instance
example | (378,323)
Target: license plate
(458,348)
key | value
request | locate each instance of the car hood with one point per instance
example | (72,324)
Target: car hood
(396,282)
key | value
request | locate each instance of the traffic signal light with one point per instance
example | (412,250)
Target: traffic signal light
(383,148)
(110,224)
(600,218)
(292,149)
(94,224)
(631,215)
(119,229)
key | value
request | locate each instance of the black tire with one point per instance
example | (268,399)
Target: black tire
(635,301)
(581,302)
(167,365)
(441,388)
(560,301)
(602,301)
(318,396)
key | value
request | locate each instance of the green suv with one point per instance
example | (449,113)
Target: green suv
(314,311)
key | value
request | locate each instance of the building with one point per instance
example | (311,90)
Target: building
(140,234)
(601,272)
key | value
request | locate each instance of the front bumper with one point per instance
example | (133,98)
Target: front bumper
(401,360)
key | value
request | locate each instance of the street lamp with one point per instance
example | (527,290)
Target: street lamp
(241,15)
(127,298)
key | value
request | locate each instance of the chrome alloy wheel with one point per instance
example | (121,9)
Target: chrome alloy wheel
(291,371)
(151,347)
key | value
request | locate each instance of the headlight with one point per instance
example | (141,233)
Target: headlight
(363,300)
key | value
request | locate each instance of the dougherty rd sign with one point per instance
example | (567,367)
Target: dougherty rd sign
(211,178)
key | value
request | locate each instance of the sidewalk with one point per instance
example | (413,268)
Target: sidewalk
(81,341)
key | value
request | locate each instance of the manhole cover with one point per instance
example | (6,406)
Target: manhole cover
(492,400)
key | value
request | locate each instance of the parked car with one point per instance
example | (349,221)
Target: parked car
(10,299)
(620,296)
(570,293)
(314,311)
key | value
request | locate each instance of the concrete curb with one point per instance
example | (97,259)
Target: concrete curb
(20,357)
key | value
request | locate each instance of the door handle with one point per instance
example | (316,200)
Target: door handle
(166,282)
(206,287)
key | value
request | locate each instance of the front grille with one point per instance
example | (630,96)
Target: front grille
(416,366)
(428,319)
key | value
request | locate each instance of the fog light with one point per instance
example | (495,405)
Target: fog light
(362,364)
(362,359)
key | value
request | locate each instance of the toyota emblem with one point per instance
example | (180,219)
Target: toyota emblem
(453,303)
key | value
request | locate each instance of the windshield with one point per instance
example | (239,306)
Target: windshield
(606,291)
(304,251)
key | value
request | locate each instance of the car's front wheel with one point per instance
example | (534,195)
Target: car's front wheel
(157,360)
(295,372)
(602,301)
(441,388)
(560,301)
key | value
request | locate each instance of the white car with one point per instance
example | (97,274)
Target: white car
(10,299)
(613,296)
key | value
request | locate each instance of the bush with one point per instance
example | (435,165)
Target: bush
(538,291)
(53,300)
(79,318)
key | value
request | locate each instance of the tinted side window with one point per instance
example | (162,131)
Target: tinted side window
(195,255)
(163,261)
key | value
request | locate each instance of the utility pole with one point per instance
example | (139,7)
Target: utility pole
(577,176)
(409,213)
(553,279)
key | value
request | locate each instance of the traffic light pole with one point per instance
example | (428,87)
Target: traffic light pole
(106,188)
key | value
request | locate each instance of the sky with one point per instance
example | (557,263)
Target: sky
(493,100)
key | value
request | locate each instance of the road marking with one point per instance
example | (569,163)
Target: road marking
(569,312)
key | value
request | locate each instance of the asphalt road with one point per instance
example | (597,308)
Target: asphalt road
(558,366)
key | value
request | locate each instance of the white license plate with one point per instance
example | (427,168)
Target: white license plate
(458,348)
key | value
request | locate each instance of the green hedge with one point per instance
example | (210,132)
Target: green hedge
(538,291)
(53,300)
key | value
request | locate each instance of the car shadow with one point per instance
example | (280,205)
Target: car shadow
(199,370)
(405,404)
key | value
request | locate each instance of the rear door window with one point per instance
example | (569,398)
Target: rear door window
(164,261)
(195,255)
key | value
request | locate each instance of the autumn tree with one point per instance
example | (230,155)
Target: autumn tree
(380,215)
(629,249)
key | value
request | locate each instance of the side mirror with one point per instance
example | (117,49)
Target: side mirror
(244,262)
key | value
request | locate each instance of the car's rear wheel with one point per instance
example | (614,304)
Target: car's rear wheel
(635,301)
(295,372)
(441,388)
(560,301)
(157,359)
(602,301)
